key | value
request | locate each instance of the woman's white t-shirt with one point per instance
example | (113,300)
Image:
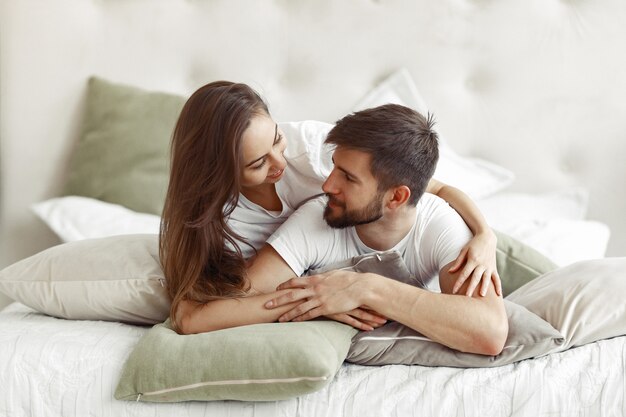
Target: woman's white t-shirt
(309,162)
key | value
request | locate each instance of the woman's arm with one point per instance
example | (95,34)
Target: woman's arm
(226,313)
(479,255)
(267,271)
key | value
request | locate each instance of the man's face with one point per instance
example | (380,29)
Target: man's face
(353,196)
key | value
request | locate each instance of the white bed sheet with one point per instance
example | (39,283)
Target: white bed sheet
(51,367)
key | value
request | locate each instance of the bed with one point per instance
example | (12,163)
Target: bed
(529,103)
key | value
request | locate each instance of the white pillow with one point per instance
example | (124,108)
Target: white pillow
(76,218)
(563,241)
(583,301)
(478,178)
(505,209)
(118,278)
(551,223)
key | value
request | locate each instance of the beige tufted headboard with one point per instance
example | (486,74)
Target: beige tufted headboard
(538,86)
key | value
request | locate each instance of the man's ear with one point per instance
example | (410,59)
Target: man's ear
(398,196)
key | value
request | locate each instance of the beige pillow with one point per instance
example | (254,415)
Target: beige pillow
(584,301)
(116,278)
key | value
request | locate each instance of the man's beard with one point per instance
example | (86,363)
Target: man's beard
(370,213)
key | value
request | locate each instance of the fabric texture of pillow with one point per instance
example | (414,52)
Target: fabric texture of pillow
(116,279)
(551,223)
(563,241)
(518,263)
(77,218)
(261,362)
(476,177)
(584,301)
(506,208)
(529,336)
(122,153)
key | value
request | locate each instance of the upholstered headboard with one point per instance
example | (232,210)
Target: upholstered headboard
(536,86)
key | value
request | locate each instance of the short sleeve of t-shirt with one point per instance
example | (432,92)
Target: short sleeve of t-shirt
(443,235)
(304,240)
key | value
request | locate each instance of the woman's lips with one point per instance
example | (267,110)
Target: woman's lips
(276,174)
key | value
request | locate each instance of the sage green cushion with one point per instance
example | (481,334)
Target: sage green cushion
(518,263)
(261,362)
(122,154)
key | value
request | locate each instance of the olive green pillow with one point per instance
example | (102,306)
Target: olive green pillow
(122,153)
(261,362)
(518,263)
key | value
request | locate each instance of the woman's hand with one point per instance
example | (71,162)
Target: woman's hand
(478,260)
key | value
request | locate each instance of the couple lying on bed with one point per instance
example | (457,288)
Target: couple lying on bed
(233,183)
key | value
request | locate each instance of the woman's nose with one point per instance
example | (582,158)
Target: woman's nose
(278,161)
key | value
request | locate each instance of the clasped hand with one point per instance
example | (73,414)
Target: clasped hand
(334,294)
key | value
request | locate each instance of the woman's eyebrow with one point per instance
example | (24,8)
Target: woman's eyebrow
(263,156)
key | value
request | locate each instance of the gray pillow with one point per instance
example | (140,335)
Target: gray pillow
(123,151)
(261,362)
(529,336)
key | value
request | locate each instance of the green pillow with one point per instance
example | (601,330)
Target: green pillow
(261,362)
(518,263)
(122,154)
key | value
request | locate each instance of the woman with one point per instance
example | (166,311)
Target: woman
(231,187)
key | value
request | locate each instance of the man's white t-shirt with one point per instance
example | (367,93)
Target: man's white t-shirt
(309,162)
(306,242)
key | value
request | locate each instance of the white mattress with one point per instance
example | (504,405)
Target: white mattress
(51,367)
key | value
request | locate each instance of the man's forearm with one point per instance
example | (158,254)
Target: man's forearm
(464,323)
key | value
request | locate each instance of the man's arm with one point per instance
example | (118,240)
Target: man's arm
(476,324)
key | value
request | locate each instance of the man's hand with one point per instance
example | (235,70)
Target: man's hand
(335,294)
(479,258)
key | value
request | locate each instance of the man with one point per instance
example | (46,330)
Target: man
(384,158)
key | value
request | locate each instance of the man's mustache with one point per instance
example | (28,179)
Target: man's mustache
(333,199)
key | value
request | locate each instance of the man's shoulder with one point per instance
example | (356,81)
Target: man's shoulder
(431,205)
(314,204)
(309,215)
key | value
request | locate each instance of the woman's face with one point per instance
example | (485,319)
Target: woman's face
(263,147)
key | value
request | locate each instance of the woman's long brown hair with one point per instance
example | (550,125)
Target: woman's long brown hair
(199,252)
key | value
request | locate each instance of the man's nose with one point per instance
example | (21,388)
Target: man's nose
(329,185)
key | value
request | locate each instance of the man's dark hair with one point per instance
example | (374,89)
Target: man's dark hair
(401,141)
